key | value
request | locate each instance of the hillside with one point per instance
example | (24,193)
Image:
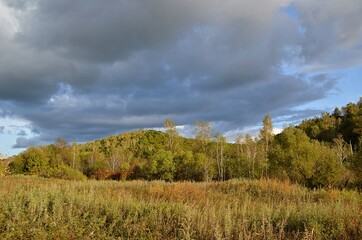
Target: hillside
(323,151)
(344,124)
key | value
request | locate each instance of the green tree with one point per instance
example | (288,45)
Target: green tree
(352,124)
(188,167)
(162,166)
(32,161)
(307,162)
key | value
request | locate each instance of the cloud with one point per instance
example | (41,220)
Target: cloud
(86,69)
(333,33)
(22,142)
(2,129)
(22,133)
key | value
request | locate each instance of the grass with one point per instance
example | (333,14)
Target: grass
(36,208)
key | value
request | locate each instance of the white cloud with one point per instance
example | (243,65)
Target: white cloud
(9,24)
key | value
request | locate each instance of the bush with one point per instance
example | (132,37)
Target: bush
(64,172)
(3,167)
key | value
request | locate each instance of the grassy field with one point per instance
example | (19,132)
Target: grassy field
(36,208)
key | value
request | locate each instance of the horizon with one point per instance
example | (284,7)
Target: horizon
(95,69)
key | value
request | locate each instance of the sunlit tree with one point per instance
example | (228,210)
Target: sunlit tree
(172,134)
(266,136)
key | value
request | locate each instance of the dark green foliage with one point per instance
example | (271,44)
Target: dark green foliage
(357,167)
(347,123)
(189,166)
(299,159)
(161,166)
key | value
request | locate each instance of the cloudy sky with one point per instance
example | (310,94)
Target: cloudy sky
(86,69)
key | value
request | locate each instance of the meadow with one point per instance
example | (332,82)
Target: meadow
(38,208)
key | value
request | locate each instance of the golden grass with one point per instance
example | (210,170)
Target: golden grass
(36,208)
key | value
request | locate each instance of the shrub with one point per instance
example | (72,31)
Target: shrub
(3,167)
(64,172)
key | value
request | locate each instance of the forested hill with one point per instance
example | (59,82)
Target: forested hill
(343,124)
(323,151)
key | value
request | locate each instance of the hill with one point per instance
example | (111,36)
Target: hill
(345,124)
(320,152)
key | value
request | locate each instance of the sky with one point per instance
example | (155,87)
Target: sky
(86,69)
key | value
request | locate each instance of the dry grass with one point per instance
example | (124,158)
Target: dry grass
(36,208)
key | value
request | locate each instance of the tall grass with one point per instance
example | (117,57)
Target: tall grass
(36,208)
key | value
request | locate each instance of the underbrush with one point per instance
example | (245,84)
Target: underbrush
(37,208)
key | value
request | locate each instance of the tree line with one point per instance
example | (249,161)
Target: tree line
(320,152)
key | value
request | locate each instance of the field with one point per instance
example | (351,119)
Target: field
(36,208)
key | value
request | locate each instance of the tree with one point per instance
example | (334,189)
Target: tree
(32,161)
(207,165)
(188,167)
(172,134)
(337,113)
(162,166)
(251,151)
(203,134)
(239,144)
(296,157)
(352,125)
(92,159)
(75,156)
(357,167)
(220,142)
(266,136)
(114,159)
(62,155)
(342,149)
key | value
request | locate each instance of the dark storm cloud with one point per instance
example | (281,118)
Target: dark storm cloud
(85,69)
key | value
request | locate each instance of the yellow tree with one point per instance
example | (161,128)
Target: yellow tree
(266,136)
(203,137)
(220,142)
(203,134)
(172,134)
